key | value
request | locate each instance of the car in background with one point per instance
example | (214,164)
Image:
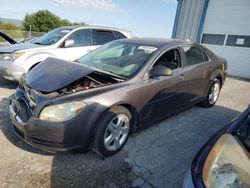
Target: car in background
(116,89)
(67,43)
(224,161)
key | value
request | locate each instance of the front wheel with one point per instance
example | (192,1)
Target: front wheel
(113,131)
(213,94)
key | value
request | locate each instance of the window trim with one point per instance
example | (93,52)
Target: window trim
(146,74)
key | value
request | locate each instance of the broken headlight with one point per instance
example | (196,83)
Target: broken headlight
(61,112)
(227,165)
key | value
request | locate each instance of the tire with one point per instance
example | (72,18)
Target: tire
(111,136)
(211,98)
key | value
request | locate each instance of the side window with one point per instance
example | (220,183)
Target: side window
(81,38)
(119,35)
(194,55)
(101,37)
(170,59)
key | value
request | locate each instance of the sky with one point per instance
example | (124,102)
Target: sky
(144,18)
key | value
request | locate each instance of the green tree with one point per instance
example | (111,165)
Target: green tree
(44,21)
(41,21)
(65,22)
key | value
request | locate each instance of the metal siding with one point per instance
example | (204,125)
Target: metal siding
(196,18)
(180,27)
(230,17)
(189,19)
(191,15)
(176,20)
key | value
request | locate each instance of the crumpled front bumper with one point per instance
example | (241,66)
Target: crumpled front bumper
(54,136)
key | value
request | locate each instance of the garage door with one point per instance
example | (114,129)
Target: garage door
(226,31)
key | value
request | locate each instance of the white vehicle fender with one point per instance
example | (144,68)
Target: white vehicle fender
(36,58)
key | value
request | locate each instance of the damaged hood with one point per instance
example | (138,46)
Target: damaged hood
(54,74)
(16,47)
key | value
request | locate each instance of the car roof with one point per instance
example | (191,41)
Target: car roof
(96,27)
(157,42)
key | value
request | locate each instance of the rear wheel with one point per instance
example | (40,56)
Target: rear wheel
(113,131)
(213,94)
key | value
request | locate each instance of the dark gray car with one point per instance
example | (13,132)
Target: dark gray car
(117,89)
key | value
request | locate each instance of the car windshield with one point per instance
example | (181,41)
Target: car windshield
(120,58)
(52,37)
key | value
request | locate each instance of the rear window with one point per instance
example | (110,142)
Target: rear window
(101,37)
(194,55)
(119,35)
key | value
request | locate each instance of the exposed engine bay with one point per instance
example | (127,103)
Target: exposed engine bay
(93,80)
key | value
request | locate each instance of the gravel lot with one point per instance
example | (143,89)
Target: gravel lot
(158,156)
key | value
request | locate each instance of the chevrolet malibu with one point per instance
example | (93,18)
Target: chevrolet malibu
(113,91)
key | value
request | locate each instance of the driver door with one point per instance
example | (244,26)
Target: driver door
(165,95)
(82,45)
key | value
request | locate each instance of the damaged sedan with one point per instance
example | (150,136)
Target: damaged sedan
(117,89)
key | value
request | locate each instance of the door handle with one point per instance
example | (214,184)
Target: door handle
(181,77)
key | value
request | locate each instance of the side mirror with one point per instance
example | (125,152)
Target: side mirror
(161,71)
(69,43)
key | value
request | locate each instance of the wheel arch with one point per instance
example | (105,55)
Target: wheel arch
(219,77)
(134,114)
(35,64)
(129,107)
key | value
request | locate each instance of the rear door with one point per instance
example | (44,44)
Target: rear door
(197,69)
(101,37)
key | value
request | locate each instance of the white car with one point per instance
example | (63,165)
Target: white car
(67,43)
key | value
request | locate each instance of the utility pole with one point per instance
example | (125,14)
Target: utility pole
(30,32)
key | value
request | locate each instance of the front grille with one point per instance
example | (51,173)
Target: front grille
(29,96)
(22,109)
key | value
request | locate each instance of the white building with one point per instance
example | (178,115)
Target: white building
(221,25)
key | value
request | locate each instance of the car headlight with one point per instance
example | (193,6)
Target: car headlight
(61,112)
(227,165)
(11,57)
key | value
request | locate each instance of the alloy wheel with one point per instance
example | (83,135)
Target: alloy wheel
(116,132)
(214,93)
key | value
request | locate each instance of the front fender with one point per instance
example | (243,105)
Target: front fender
(35,58)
